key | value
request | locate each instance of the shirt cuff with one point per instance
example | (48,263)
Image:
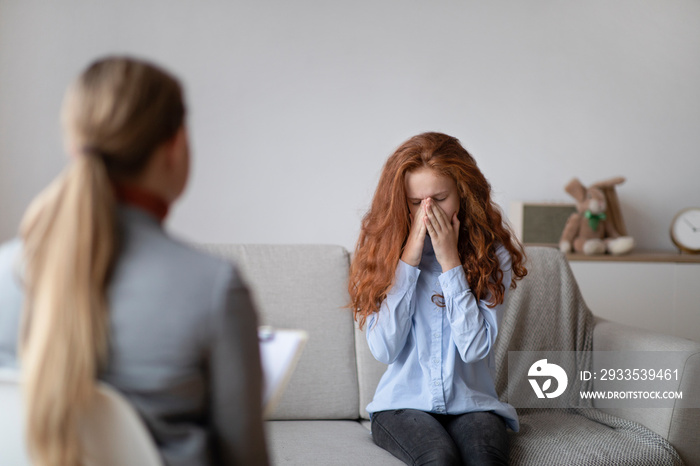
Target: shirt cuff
(405,277)
(454,282)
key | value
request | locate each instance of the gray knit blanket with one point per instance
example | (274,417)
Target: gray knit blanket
(551,315)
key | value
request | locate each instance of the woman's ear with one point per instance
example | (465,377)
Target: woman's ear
(176,148)
(176,162)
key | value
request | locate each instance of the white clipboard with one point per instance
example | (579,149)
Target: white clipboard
(280,350)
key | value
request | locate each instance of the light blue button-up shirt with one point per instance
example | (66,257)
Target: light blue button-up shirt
(439,358)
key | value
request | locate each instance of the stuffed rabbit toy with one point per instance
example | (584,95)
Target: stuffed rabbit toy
(589,230)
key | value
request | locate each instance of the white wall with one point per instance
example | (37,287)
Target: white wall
(296,105)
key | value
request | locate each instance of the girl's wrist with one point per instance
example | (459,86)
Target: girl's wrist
(450,265)
(410,260)
(450,262)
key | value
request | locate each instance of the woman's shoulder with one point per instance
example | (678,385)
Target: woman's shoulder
(146,243)
(504,257)
(204,260)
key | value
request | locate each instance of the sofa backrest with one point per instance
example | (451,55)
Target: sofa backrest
(305,287)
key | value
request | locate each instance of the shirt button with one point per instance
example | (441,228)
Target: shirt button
(436,335)
(436,361)
(436,383)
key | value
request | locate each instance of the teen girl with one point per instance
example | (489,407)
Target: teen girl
(95,287)
(429,277)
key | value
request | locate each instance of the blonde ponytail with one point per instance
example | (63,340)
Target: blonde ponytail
(69,241)
(115,116)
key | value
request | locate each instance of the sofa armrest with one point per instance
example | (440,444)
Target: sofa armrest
(680,425)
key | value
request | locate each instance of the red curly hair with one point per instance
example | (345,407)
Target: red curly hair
(385,227)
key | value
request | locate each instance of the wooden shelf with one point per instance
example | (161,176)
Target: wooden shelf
(639,256)
(669,256)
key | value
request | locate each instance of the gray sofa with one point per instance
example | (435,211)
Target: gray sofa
(321,418)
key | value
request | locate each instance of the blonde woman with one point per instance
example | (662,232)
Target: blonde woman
(94,288)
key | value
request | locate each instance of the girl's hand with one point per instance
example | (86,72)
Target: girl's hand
(413,250)
(444,233)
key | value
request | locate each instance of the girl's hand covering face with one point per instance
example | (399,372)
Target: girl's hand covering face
(413,250)
(444,233)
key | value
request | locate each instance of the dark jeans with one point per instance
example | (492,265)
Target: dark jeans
(417,437)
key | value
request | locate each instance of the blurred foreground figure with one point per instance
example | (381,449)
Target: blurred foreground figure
(94,288)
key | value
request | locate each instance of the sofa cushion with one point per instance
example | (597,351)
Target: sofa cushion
(305,287)
(680,424)
(330,443)
(552,437)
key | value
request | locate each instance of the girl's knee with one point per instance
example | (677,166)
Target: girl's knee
(439,456)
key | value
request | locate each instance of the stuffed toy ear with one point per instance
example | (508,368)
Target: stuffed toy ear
(614,212)
(576,189)
(612,182)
